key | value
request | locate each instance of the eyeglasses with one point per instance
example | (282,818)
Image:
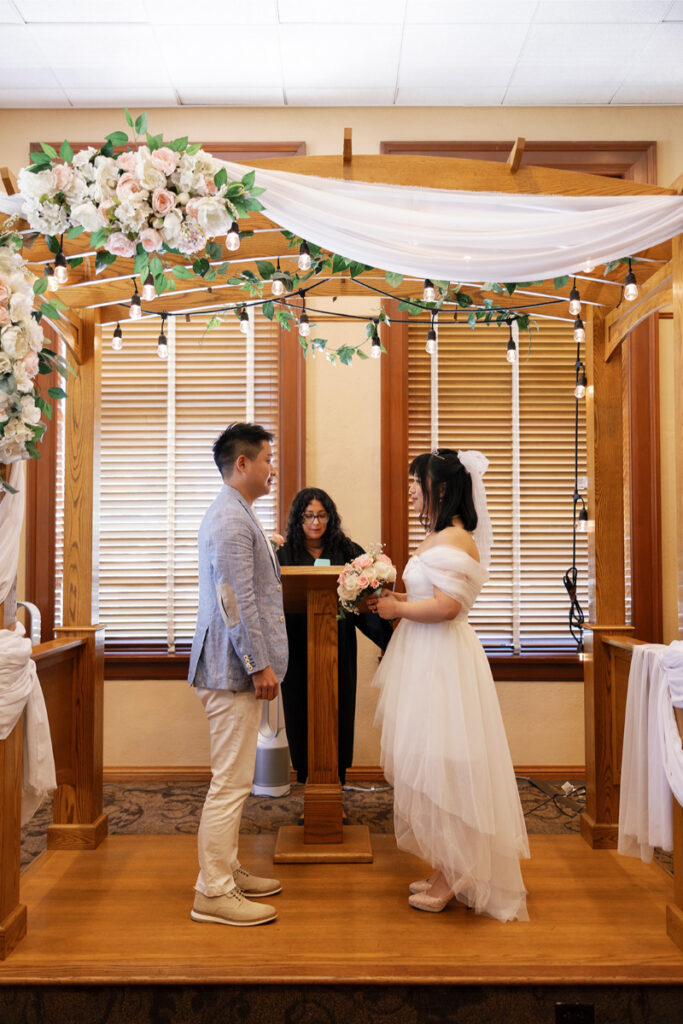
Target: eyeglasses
(308,517)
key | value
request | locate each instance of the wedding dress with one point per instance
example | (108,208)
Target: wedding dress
(444,749)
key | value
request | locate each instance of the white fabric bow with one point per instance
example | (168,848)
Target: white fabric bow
(476,464)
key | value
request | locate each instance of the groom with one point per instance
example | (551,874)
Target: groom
(239,656)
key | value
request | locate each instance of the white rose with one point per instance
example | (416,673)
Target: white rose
(17,430)
(106,178)
(30,413)
(191,238)
(49,219)
(13,341)
(4,405)
(88,216)
(171,229)
(81,162)
(20,306)
(149,176)
(77,190)
(23,381)
(11,451)
(5,364)
(34,186)
(212,217)
(34,334)
(133,215)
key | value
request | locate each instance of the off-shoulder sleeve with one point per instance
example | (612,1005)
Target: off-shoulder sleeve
(455,573)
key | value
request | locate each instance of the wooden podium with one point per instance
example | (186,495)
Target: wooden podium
(324,837)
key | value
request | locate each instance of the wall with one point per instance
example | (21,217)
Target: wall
(160,723)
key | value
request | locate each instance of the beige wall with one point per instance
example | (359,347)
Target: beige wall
(161,723)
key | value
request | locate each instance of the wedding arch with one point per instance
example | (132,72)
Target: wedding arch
(519,236)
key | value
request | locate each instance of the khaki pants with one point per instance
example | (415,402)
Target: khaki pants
(233,725)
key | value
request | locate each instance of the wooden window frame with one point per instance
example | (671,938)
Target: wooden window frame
(635,161)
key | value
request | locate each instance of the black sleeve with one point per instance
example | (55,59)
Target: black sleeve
(375,629)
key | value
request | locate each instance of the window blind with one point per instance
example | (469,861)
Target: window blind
(527,611)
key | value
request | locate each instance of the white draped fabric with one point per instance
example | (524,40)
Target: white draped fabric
(20,691)
(652,758)
(11,518)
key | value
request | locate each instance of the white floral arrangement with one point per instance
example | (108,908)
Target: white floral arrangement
(155,197)
(22,357)
(364,575)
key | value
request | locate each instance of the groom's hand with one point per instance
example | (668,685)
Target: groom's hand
(265,684)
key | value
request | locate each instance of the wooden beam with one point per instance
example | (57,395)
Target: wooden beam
(677,432)
(653,295)
(9,181)
(516,154)
(677,185)
(348,146)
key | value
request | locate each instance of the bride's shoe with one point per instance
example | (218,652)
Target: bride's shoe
(432,904)
(423,885)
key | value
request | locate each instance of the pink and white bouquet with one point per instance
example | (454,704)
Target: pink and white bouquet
(365,575)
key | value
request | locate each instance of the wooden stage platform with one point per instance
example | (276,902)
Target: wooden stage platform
(120,915)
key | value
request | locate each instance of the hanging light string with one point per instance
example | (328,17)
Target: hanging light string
(580,521)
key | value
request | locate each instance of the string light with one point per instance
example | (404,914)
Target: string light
(579,331)
(430,347)
(582,521)
(588,267)
(232,239)
(304,261)
(429,293)
(581,382)
(188,318)
(244,321)
(574,300)
(630,285)
(135,304)
(277,284)
(162,343)
(117,339)
(148,289)
(62,270)
(511,354)
(304,326)
(376,349)
(52,284)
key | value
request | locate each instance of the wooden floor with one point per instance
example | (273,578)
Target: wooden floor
(121,914)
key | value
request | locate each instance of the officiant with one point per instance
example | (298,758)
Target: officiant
(314,531)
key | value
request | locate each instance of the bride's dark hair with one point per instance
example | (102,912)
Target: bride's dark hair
(446,489)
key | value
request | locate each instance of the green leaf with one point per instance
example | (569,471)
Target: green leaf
(235,188)
(257,191)
(472,320)
(170,284)
(220,177)
(40,286)
(155,266)
(248,179)
(52,243)
(214,322)
(265,269)
(44,406)
(141,124)
(560,282)
(191,150)
(39,158)
(213,250)
(154,141)
(75,262)
(56,392)
(182,273)
(178,145)
(160,283)
(356,268)
(464,299)
(609,267)
(107,149)
(392,279)
(212,275)
(339,263)
(99,237)
(49,310)
(361,354)
(117,138)
(50,150)
(102,260)
(129,119)
(268,310)
(141,265)
(223,269)
(75,232)
(411,308)
(201,267)
(66,152)
(510,288)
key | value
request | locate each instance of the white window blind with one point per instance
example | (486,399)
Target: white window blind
(524,606)
(159,421)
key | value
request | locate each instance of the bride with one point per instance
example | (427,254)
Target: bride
(444,747)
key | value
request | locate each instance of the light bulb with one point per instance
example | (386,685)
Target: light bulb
(582,522)
(429,294)
(511,354)
(580,390)
(162,346)
(304,326)
(277,287)
(304,261)
(148,290)
(61,269)
(630,286)
(135,307)
(244,321)
(117,339)
(430,347)
(232,239)
(579,331)
(376,350)
(574,301)
(52,283)
(588,267)
(582,483)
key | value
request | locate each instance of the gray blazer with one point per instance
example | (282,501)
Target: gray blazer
(240,621)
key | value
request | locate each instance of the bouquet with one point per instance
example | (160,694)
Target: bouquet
(363,576)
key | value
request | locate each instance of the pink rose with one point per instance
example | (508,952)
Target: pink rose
(165,160)
(128,187)
(119,245)
(4,294)
(127,162)
(31,364)
(363,581)
(374,584)
(163,201)
(211,187)
(151,240)
(384,559)
(64,175)
(364,561)
(4,315)
(192,207)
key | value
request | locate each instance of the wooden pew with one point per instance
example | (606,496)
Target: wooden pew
(619,651)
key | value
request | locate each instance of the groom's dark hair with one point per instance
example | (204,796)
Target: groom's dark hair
(238,439)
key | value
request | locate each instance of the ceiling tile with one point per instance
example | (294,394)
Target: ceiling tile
(211,12)
(201,57)
(337,56)
(33,98)
(605,11)
(480,93)
(231,97)
(66,46)
(112,76)
(663,46)
(28,76)
(9,14)
(55,11)
(675,12)
(604,44)
(429,59)
(642,86)
(131,96)
(552,85)
(340,97)
(462,12)
(312,12)
(19,47)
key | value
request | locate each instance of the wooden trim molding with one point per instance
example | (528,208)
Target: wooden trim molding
(394,438)
(292,423)
(240,152)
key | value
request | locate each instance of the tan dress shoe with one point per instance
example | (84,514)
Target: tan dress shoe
(253,886)
(422,885)
(232,908)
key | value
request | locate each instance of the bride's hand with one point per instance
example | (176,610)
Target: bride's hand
(388,607)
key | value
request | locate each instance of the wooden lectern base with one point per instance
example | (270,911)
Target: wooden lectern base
(355,847)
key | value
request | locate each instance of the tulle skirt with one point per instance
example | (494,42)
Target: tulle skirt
(444,750)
